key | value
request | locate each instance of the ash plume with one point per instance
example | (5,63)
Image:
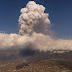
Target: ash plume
(33,29)
(33,19)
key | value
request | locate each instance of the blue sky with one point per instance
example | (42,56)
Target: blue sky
(60,15)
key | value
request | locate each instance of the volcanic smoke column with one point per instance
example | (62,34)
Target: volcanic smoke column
(33,19)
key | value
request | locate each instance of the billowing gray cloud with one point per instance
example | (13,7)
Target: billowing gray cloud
(33,28)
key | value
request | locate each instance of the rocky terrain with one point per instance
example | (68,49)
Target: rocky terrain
(38,66)
(38,62)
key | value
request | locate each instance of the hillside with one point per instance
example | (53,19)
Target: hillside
(38,62)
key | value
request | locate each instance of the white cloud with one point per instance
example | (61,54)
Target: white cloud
(33,24)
